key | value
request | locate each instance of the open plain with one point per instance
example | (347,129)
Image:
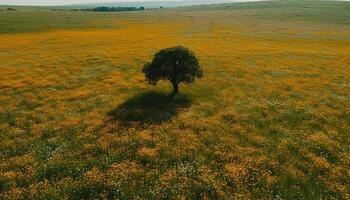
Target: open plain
(270,119)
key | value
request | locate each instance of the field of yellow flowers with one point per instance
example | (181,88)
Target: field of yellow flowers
(270,119)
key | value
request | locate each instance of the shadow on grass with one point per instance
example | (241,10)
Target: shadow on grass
(149,108)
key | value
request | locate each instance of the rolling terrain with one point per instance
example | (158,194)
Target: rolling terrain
(270,119)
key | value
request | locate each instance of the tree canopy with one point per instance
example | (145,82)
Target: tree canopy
(177,64)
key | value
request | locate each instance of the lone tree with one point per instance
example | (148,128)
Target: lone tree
(177,64)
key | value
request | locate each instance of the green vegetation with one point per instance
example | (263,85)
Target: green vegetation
(269,120)
(31,21)
(176,64)
(105,9)
(313,11)
(316,11)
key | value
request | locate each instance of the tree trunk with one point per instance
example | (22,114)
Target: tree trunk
(175,88)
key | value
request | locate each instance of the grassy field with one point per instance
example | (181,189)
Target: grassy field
(270,119)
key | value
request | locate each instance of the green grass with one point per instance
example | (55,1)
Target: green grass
(336,12)
(269,120)
(29,19)
(32,21)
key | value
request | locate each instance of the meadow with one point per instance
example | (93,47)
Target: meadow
(270,119)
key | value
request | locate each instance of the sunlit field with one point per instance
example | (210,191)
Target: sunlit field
(270,119)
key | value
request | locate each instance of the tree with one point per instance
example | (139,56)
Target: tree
(177,64)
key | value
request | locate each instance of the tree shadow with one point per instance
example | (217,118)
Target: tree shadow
(149,108)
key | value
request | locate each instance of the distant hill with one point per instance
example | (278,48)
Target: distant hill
(155,4)
(136,3)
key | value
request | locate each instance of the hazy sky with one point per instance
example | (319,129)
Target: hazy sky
(62,2)
(59,2)
(49,2)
